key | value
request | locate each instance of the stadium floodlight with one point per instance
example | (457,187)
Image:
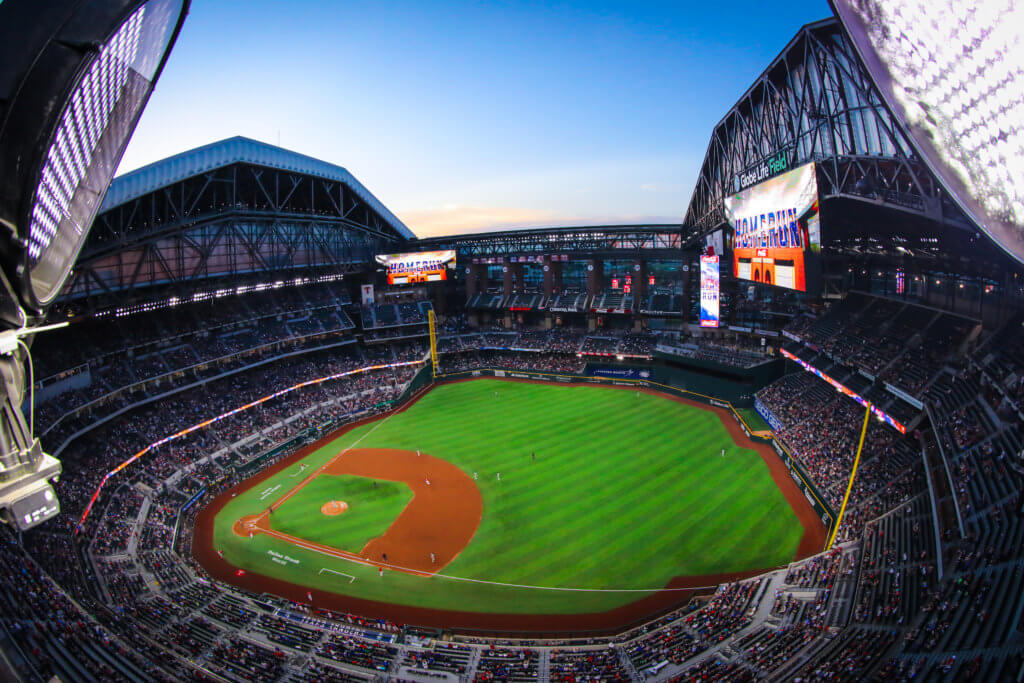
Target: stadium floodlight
(74,78)
(952,72)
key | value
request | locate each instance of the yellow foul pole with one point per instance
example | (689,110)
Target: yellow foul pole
(853,474)
(432,324)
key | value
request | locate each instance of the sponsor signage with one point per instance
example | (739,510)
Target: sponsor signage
(621,373)
(896,391)
(766,169)
(366,294)
(709,291)
(769,417)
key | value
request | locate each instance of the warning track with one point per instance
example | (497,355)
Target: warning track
(680,589)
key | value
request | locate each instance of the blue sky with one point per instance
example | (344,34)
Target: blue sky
(476,115)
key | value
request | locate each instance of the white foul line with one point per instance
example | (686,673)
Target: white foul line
(341,555)
(316,473)
(325,569)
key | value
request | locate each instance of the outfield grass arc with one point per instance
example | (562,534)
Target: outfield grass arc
(595,501)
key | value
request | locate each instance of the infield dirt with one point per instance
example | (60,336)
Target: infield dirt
(812,542)
(431,531)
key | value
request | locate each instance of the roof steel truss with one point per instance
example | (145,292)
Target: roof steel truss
(235,219)
(815,102)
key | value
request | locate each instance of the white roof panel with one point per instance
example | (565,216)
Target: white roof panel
(167,171)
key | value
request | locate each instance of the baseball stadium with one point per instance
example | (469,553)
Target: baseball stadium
(259,427)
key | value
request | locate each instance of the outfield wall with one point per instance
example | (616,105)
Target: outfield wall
(636,378)
(622,375)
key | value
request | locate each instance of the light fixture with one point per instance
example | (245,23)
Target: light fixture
(952,72)
(74,77)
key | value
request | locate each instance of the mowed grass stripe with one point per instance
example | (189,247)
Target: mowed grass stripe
(627,491)
(633,503)
(373,506)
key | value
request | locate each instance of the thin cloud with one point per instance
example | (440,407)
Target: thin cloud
(456,220)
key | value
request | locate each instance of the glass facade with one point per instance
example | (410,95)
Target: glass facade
(668,275)
(574,275)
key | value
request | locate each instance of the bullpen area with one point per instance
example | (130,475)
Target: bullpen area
(513,505)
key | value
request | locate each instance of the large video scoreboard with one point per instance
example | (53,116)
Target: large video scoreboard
(777,230)
(709,290)
(424,266)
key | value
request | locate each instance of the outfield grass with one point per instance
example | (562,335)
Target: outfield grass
(373,506)
(627,491)
(754,420)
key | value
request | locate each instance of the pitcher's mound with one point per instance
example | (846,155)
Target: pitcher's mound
(334,507)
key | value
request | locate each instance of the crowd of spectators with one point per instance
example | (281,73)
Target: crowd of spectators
(556,340)
(894,341)
(737,352)
(821,429)
(96,452)
(587,665)
(149,353)
(142,609)
(525,362)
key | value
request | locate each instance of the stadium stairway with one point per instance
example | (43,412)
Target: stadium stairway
(627,664)
(764,596)
(544,666)
(841,600)
(140,520)
(472,664)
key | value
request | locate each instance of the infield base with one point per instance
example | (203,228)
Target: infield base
(334,507)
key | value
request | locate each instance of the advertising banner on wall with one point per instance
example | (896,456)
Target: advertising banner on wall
(366,292)
(776,229)
(424,266)
(769,417)
(709,291)
(715,242)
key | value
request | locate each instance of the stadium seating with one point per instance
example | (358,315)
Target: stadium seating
(895,342)
(876,605)
(569,301)
(700,348)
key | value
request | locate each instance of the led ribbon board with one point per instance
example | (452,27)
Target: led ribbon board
(775,226)
(878,412)
(952,73)
(218,418)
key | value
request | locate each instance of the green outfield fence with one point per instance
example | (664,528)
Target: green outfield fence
(796,470)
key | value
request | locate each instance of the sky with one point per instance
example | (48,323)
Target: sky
(470,116)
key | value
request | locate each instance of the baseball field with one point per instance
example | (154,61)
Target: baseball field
(492,497)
